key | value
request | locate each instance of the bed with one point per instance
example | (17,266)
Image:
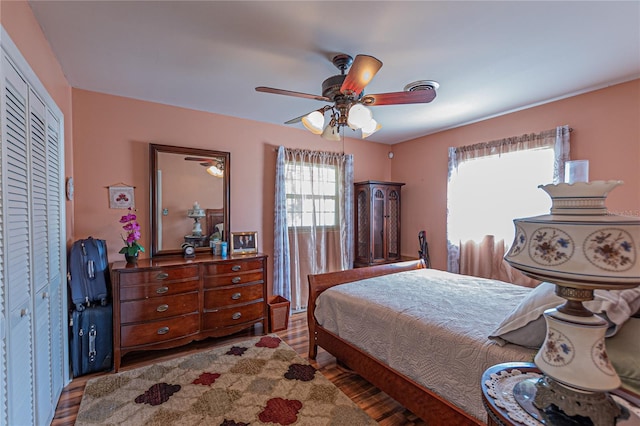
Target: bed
(434,370)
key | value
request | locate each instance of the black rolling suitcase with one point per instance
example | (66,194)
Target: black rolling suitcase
(91,339)
(91,320)
(88,273)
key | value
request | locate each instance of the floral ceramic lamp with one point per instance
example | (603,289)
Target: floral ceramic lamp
(579,247)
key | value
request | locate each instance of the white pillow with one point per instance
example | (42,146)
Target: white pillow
(525,325)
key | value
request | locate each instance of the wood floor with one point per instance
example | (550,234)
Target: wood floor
(374,402)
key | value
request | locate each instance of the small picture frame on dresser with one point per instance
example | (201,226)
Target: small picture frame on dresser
(244,242)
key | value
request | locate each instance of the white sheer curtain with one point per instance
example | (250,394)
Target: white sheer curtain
(489,185)
(313,219)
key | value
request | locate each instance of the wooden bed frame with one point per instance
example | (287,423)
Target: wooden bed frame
(421,401)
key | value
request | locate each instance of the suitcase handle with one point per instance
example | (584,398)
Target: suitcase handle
(162,308)
(163,330)
(162,276)
(92,343)
(161,290)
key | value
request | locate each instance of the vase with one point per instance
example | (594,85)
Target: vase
(131,258)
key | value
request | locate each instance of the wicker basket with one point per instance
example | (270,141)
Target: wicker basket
(278,313)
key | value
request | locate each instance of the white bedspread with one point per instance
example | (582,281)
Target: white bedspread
(429,325)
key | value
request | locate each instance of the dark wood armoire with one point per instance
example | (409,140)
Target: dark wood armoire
(377,222)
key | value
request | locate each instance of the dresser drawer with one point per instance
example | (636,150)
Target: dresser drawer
(159,331)
(161,289)
(160,275)
(233,279)
(221,297)
(158,307)
(233,267)
(233,316)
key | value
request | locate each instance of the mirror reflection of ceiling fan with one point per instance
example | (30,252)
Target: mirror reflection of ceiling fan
(215,166)
(349,102)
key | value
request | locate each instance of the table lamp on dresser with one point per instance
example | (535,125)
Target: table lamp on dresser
(579,247)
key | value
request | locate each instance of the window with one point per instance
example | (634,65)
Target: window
(489,185)
(312,193)
(487,193)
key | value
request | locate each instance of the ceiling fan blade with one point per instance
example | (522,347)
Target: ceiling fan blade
(299,119)
(291,93)
(198,159)
(296,120)
(398,98)
(362,71)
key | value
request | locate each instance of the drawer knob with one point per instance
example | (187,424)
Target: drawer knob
(161,290)
(45,295)
(236,296)
(236,316)
(24,312)
(236,268)
(162,308)
(163,330)
(236,280)
(162,276)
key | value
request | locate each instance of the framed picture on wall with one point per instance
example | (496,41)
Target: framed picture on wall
(121,197)
(244,242)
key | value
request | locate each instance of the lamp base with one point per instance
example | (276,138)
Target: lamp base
(551,403)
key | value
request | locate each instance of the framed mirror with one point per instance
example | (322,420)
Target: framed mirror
(189,198)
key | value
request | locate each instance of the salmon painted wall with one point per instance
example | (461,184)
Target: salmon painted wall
(21,25)
(606,131)
(111,145)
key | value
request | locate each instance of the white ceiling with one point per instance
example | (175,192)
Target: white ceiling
(490,58)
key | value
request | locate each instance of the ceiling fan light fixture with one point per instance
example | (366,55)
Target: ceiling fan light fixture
(314,122)
(216,171)
(359,116)
(331,132)
(370,128)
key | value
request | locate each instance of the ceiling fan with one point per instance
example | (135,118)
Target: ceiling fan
(349,102)
(215,166)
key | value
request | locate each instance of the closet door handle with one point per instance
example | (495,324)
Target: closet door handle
(163,330)
(236,268)
(236,280)
(161,290)
(162,308)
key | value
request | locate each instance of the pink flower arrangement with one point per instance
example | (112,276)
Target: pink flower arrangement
(132,227)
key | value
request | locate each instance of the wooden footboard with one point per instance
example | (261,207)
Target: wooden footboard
(415,397)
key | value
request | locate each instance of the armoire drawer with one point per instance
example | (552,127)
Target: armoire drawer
(159,331)
(233,279)
(233,267)
(161,289)
(227,296)
(233,316)
(158,307)
(160,275)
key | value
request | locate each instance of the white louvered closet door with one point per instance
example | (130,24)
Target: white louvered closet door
(32,259)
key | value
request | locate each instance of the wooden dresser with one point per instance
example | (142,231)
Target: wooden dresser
(166,302)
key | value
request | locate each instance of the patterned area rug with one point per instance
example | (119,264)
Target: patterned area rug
(258,381)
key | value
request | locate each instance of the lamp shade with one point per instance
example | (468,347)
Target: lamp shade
(214,170)
(579,244)
(314,122)
(331,132)
(359,116)
(370,128)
